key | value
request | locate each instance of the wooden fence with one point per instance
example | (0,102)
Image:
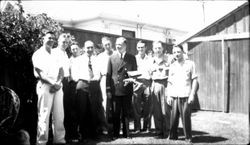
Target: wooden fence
(223,69)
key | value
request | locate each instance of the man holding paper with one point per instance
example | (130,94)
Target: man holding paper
(119,90)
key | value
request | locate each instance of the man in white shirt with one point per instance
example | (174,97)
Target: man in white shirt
(88,92)
(49,72)
(60,53)
(182,86)
(141,100)
(103,59)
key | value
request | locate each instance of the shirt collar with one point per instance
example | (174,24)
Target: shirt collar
(123,54)
(139,57)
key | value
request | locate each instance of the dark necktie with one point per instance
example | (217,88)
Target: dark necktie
(91,75)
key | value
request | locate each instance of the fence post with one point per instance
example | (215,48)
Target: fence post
(225,81)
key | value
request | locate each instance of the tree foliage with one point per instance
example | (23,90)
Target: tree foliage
(20,36)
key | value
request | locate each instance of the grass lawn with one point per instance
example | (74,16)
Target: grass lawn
(207,128)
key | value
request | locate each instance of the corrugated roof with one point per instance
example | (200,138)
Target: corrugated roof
(196,33)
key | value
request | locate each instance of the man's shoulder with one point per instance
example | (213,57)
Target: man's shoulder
(114,55)
(129,55)
(189,62)
(37,52)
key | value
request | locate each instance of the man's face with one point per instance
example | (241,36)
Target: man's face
(63,41)
(89,48)
(75,50)
(178,53)
(158,49)
(120,46)
(141,48)
(106,45)
(49,39)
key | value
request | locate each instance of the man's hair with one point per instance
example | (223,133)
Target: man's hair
(143,42)
(179,46)
(124,40)
(48,32)
(105,38)
(74,43)
(158,42)
(89,41)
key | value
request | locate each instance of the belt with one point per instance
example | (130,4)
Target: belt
(43,81)
(88,81)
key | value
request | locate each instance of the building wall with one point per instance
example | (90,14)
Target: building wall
(239,57)
(207,57)
(237,22)
(83,35)
(223,83)
(223,63)
(141,31)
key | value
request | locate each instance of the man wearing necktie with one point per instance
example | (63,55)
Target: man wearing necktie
(119,91)
(88,92)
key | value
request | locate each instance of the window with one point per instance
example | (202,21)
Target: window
(130,34)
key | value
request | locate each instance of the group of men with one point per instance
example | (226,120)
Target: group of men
(89,93)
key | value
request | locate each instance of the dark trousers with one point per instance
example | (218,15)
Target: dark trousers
(142,108)
(180,107)
(121,109)
(70,112)
(90,108)
(96,107)
(86,125)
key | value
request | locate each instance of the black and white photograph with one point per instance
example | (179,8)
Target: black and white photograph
(85,72)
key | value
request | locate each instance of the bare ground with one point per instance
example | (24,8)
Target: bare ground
(207,128)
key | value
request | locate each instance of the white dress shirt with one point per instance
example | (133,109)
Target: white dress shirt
(73,68)
(81,70)
(143,66)
(63,58)
(47,63)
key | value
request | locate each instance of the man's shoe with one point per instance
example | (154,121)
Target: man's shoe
(172,138)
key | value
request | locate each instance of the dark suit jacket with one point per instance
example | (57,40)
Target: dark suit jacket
(117,72)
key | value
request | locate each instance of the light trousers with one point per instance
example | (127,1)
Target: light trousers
(49,103)
(161,110)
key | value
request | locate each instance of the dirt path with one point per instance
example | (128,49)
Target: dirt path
(207,128)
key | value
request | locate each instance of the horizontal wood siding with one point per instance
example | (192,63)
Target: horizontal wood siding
(239,75)
(208,59)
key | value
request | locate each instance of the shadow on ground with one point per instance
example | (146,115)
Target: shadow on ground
(201,137)
(198,137)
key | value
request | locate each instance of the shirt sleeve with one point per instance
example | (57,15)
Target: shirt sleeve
(193,71)
(37,63)
(170,74)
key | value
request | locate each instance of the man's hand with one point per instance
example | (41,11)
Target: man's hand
(169,100)
(191,98)
(54,88)
(128,80)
